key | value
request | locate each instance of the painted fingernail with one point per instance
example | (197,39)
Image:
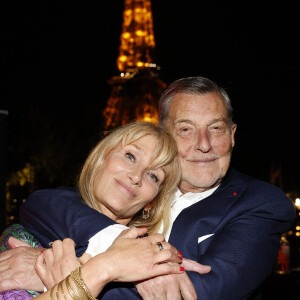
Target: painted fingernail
(179,253)
(181,268)
(42,251)
(180,257)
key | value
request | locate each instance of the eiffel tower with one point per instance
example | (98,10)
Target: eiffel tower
(137,88)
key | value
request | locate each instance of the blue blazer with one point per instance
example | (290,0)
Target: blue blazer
(236,231)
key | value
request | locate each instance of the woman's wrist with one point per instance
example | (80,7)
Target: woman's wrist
(96,273)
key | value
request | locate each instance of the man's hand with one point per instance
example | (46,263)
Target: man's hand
(17,267)
(168,287)
(172,287)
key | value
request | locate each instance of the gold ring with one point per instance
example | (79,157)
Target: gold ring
(160,246)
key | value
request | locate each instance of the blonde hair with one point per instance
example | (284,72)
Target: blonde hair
(164,156)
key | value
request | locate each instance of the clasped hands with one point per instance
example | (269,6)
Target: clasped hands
(134,260)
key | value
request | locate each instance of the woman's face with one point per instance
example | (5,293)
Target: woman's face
(124,183)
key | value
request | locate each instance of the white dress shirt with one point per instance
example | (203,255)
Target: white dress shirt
(182,201)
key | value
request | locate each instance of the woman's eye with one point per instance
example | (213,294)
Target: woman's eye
(130,156)
(154,177)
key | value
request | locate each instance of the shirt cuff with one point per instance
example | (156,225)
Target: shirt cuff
(102,240)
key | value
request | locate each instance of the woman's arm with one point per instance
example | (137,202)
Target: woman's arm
(128,259)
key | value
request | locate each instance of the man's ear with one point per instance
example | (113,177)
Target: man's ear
(233,130)
(14,243)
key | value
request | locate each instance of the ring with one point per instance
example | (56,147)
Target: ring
(160,246)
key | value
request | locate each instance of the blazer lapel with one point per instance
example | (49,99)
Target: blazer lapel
(199,221)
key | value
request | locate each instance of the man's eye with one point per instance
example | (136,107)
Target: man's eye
(218,128)
(130,156)
(154,177)
(184,131)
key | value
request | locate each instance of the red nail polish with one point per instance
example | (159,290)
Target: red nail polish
(179,253)
(181,268)
(180,257)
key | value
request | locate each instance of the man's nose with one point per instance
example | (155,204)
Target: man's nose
(202,141)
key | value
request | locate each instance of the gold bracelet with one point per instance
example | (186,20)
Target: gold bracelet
(51,292)
(79,284)
(62,289)
(76,276)
(57,291)
(73,295)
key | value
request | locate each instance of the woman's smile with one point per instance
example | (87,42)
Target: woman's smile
(126,188)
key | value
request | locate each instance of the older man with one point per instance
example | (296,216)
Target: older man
(219,217)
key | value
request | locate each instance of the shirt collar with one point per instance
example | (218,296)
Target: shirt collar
(194,197)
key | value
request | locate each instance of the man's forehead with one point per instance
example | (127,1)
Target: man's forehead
(190,104)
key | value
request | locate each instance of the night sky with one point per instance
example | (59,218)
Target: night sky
(57,57)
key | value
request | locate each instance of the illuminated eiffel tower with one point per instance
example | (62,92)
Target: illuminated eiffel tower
(137,88)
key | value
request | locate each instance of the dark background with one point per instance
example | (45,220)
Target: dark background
(57,57)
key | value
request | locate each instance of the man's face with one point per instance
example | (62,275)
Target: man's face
(204,138)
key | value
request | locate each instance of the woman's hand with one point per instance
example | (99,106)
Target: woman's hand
(54,264)
(131,259)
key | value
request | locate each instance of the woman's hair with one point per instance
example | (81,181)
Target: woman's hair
(165,156)
(191,85)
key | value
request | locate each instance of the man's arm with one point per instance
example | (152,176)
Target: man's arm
(56,214)
(242,252)
(49,215)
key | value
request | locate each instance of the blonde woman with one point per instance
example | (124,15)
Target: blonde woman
(128,180)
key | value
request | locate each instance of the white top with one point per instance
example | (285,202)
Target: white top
(101,241)
(182,201)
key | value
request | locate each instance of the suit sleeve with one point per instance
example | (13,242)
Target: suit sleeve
(242,253)
(60,213)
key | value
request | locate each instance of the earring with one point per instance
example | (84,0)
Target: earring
(146,214)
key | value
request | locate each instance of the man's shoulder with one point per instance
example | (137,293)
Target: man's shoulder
(254,184)
(240,177)
(59,192)
(260,188)
(260,193)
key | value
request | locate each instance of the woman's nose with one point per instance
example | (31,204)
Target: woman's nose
(135,177)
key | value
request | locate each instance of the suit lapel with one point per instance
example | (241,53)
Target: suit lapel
(200,220)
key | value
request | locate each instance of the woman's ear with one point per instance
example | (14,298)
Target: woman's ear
(148,206)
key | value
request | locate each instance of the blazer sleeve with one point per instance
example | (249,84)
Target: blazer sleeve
(244,248)
(60,213)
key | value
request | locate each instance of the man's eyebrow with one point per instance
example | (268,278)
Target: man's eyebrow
(183,121)
(217,120)
(179,121)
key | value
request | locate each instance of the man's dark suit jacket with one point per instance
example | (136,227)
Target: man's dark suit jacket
(236,231)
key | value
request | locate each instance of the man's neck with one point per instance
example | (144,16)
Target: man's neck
(185,187)
(185,190)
